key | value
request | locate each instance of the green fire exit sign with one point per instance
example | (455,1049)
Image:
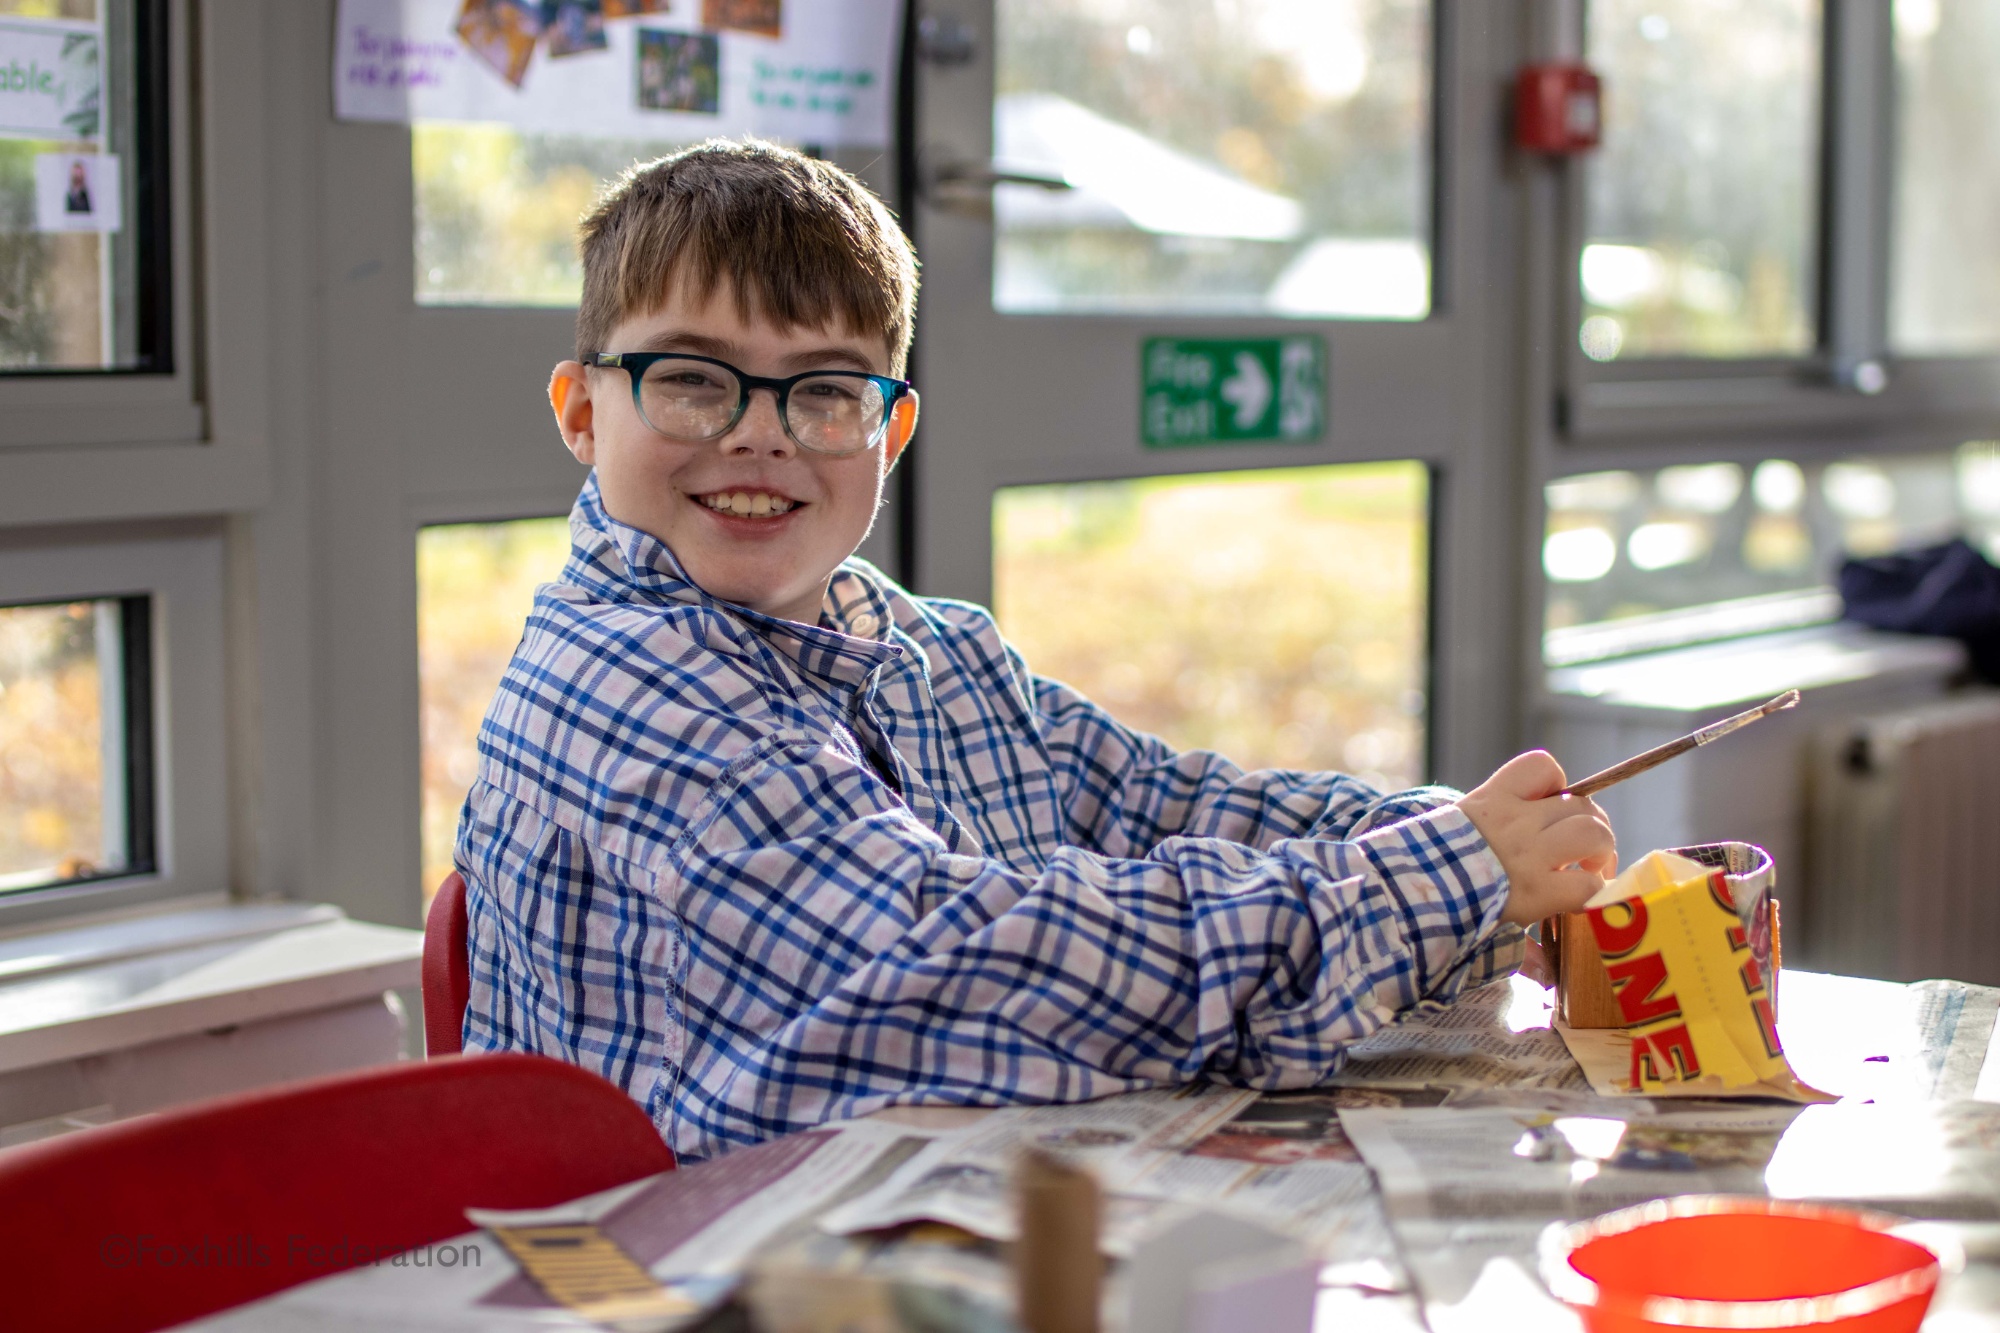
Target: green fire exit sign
(1231,390)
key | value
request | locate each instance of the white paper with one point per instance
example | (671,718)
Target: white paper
(829,80)
(77,192)
(51,81)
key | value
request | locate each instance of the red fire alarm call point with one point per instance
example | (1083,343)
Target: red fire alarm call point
(1557,108)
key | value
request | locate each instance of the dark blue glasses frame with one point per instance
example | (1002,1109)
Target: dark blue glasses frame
(636,364)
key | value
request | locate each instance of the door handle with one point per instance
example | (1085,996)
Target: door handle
(966,188)
(986,175)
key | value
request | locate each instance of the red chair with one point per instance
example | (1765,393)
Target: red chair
(447,979)
(149,1222)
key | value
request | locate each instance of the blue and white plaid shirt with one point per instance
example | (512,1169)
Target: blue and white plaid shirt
(764,875)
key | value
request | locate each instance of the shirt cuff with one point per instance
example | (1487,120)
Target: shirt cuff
(1464,868)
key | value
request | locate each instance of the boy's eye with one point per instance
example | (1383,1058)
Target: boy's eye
(836,389)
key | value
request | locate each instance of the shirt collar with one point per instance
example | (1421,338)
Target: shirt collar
(616,560)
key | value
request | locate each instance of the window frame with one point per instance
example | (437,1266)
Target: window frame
(1770,402)
(64,407)
(179,566)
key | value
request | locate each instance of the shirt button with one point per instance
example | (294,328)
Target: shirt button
(864,624)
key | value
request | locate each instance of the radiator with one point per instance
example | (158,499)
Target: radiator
(1903,846)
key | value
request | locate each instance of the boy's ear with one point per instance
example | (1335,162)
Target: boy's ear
(902,425)
(569,395)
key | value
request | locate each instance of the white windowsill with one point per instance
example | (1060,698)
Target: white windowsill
(86,990)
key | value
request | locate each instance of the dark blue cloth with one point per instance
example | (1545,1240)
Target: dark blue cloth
(1948,589)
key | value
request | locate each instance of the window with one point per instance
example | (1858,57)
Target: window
(1639,559)
(1264,156)
(475,584)
(1701,235)
(83,187)
(1945,266)
(76,756)
(1278,616)
(497,207)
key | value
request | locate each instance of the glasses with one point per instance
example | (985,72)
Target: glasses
(837,412)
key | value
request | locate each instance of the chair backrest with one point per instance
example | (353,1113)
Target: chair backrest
(149,1222)
(447,978)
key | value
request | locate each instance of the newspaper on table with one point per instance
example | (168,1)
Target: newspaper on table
(1280,1159)
(1496,1036)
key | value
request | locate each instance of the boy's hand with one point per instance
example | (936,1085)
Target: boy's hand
(1557,850)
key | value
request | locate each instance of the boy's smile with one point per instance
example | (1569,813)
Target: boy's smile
(752,517)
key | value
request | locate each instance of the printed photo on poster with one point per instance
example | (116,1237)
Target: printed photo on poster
(77,192)
(679,71)
(625,9)
(766,18)
(502,33)
(575,27)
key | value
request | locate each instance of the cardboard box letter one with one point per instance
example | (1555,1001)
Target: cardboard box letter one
(1585,997)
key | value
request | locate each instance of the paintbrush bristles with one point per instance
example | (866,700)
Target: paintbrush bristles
(1659,754)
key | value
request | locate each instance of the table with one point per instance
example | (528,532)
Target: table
(1905,1055)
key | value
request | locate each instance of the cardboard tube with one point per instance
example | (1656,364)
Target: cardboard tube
(1058,1273)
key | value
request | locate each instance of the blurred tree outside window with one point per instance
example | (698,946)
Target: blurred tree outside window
(1944,293)
(1277,616)
(475,585)
(62,776)
(1702,203)
(1233,156)
(497,208)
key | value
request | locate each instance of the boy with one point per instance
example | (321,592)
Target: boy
(769,842)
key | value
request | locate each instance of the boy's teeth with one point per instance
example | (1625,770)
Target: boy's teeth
(746,505)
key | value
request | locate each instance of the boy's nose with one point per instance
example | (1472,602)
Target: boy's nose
(760,431)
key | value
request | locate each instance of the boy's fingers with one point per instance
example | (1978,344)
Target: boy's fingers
(1573,888)
(1575,840)
(1530,776)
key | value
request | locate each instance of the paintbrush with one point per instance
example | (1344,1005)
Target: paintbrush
(1659,754)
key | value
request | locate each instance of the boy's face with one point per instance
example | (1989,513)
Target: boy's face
(777,563)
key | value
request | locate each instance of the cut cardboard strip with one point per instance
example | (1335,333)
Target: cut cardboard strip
(586,1272)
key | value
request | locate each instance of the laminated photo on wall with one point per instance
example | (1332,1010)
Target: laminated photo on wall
(766,18)
(77,192)
(679,71)
(576,27)
(502,33)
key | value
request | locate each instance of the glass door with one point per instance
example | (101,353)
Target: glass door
(1190,378)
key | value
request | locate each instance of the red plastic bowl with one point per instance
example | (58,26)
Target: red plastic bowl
(1716,1262)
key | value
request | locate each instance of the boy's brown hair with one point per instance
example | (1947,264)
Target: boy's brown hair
(800,241)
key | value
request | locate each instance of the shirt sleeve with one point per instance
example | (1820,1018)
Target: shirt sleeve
(1125,791)
(840,959)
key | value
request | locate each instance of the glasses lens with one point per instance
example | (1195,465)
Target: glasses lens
(689,400)
(836,414)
